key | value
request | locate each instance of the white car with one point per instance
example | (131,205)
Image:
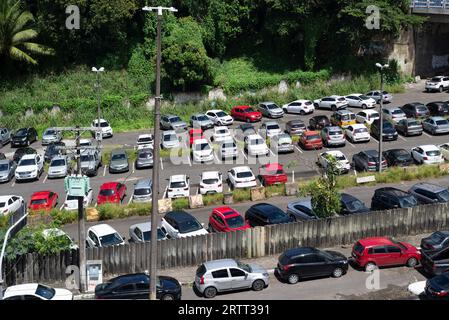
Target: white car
(357,133)
(71,203)
(211,182)
(301,107)
(180,224)
(444,149)
(58,233)
(228,149)
(427,154)
(241,177)
(85,143)
(333,103)
(145,141)
(221,134)
(255,146)
(106,130)
(10,204)
(178,186)
(359,100)
(342,162)
(30,167)
(103,235)
(439,83)
(36,291)
(394,115)
(202,151)
(59,167)
(219,117)
(282,143)
(367,116)
(270,129)
(169,140)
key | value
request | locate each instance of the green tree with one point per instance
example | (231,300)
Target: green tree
(16,34)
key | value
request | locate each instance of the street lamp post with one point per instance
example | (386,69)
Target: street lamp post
(156,155)
(97,87)
(381,69)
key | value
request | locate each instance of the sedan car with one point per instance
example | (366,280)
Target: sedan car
(219,117)
(359,100)
(51,135)
(23,137)
(71,202)
(226,219)
(282,143)
(202,151)
(59,167)
(173,122)
(319,122)
(111,192)
(211,182)
(228,149)
(221,134)
(36,291)
(271,110)
(436,125)
(438,83)
(10,204)
(389,198)
(333,103)
(357,133)
(144,159)
(301,210)
(263,214)
(241,177)
(367,160)
(201,121)
(119,161)
(270,129)
(180,224)
(178,186)
(246,114)
(295,127)
(341,162)
(427,193)
(415,110)
(389,133)
(427,154)
(409,127)
(169,140)
(7,170)
(103,235)
(393,115)
(301,107)
(378,95)
(141,232)
(398,157)
(437,241)
(43,200)
(272,174)
(438,108)
(310,140)
(333,136)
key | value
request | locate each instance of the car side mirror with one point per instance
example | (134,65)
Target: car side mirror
(246,275)
(395,206)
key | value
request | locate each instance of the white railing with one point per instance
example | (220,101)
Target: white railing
(437,4)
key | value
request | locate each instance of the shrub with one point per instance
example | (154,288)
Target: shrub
(241,195)
(180,204)
(215,199)
(275,190)
(61,217)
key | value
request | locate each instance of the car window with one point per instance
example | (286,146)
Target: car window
(223,273)
(126,288)
(237,272)
(393,249)
(311,258)
(218,219)
(138,233)
(379,250)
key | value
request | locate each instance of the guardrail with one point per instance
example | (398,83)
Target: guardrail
(431,4)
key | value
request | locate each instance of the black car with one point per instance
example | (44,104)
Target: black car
(398,157)
(435,263)
(438,108)
(438,287)
(21,152)
(137,286)
(427,193)
(351,205)
(415,110)
(319,122)
(307,262)
(23,137)
(263,214)
(389,133)
(53,149)
(367,160)
(392,198)
(437,241)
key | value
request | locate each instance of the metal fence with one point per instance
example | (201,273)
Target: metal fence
(436,4)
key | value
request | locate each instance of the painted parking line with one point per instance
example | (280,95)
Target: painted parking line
(62,206)
(300,151)
(244,155)
(13,183)
(130,199)
(427,135)
(162,164)
(45,179)
(216,158)
(190,162)
(402,138)
(165,193)
(272,153)
(104,170)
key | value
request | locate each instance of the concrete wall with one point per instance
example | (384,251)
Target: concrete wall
(402,50)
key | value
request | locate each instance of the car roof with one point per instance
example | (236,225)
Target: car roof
(375,241)
(166,133)
(178,177)
(215,110)
(143,183)
(118,151)
(179,216)
(223,210)
(271,122)
(272,166)
(393,191)
(268,102)
(304,202)
(242,169)
(428,147)
(59,157)
(429,186)
(320,117)
(333,128)
(21,289)
(310,132)
(335,96)
(254,136)
(358,126)
(345,197)
(40,194)
(369,111)
(144,226)
(334,152)
(108,185)
(200,141)
(299,251)
(295,121)
(197,114)
(101,120)
(218,264)
(5,161)
(437,118)
(146,135)
(221,128)
(4,198)
(102,229)
(344,111)
(29,156)
(209,174)
(242,107)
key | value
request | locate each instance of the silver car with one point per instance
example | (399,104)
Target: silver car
(333,136)
(141,232)
(436,125)
(144,158)
(143,191)
(282,143)
(201,121)
(229,275)
(59,167)
(51,135)
(119,161)
(169,140)
(7,170)
(228,149)
(377,95)
(91,160)
(173,122)
(5,136)
(271,110)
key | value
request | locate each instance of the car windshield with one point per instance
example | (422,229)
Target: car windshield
(142,191)
(433,153)
(39,201)
(247,110)
(222,131)
(313,137)
(49,132)
(388,125)
(21,132)
(297,125)
(202,118)
(436,79)
(272,106)
(374,115)
(397,112)
(110,239)
(107,192)
(408,202)
(442,122)
(210,181)
(145,155)
(119,156)
(364,97)
(45,292)
(235,222)
(189,226)
(87,157)
(285,140)
(202,147)
(358,248)
(257,141)
(355,205)
(27,162)
(361,130)
(57,163)
(402,154)
(347,117)
(228,145)
(175,119)
(71,198)
(273,127)
(274,171)
(170,137)
(221,114)
(421,109)
(438,237)
(4,167)
(147,139)
(244,266)
(244,174)
(147,235)
(444,195)
(335,132)
(178,184)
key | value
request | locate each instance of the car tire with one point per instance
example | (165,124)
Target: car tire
(364,106)
(285,110)
(337,273)
(293,278)
(334,108)
(258,285)
(210,229)
(441,89)
(370,266)
(168,297)
(210,292)
(412,262)
(302,112)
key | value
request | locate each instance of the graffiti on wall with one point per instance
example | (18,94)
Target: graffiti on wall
(440,61)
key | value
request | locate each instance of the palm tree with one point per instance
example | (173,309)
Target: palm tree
(15,33)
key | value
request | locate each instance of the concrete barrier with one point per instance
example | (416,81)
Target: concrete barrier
(228,198)
(196,201)
(291,188)
(257,193)
(165,205)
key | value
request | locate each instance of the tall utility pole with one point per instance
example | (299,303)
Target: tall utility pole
(81,220)
(98,87)
(381,69)
(157,143)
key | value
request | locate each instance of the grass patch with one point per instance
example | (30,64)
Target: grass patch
(180,204)
(61,217)
(275,190)
(112,211)
(215,199)
(175,152)
(241,195)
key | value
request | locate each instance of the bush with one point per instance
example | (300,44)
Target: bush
(215,199)
(275,190)
(180,204)
(61,217)
(241,195)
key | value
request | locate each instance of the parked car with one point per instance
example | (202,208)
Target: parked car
(23,137)
(282,143)
(211,182)
(367,160)
(54,149)
(351,205)
(10,204)
(427,154)
(91,160)
(51,135)
(357,133)
(228,149)
(180,224)
(444,149)
(438,108)
(426,193)
(272,174)
(226,219)
(295,127)
(367,116)
(310,140)
(145,141)
(20,152)
(85,144)
(438,83)
(271,110)
(246,113)
(256,146)
(389,133)
(144,159)
(201,121)
(436,125)
(438,287)
(227,275)
(301,107)
(55,234)
(178,186)
(71,202)
(359,100)
(59,167)
(30,167)
(333,136)
(391,198)
(103,235)
(375,252)
(244,130)
(378,95)
(36,291)
(219,117)
(7,170)
(270,129)
(143,191)
(241,177)
(221,134)
(437,241)
(137,286)
(393,115)
(307,262)
(341,162)
(169,140)
(435,263)
(173,122)
(141,232)
(263,214)
(415,110)
(409,127)
(5,136)
(111,192)
(398,157)
(106,130)
(343,118)
(333,103)
(301,210)
(43,200)
(319,122)
(202,151)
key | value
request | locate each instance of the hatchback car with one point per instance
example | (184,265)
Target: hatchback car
(202,151)
(141,232)
(221,134)
(246,113)
(103,235)
(241,177)
(272,174)
(307,262)
(173,122)
(201,121)
(7,170)
(43,200)
(360,101)
(333,103)
(310,140)
(228,149)
(380,95)
(144,159)
(301,210)
(111,192)
(438,287)
(145,141)
(391,198)
(398,157)
(143,191)
(226,219)
(301,107)
(178,186)
(180,224)
(169,140)
(271,110)
(357,133)
(367,116)
(427,154)
(51,135)
(23,137)
(409,127)
(119,161)
(295,127)
(10,204)
(415,110)
(367,160)
(389,133)
(394,115)
(256,146)
(227,275)
(263,214)
(319,122)
(438,108)
(91,160)
(59,167)
(269,129)
(437,241)
(244,130)
(219,117)
(375,252)
(333,136)
(342,164)
(106,130)
(282,143)
(351,205)
(429,193)
(211,182)
(436,125)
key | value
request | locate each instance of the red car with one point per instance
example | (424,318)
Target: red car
(272,173)
(43,200)
(310,140)
(111,192)
(195,134)
(246,113)
(226,219)
(383,251)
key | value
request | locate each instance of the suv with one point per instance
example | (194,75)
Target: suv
(382,252)
(429,193)
(90,162)
(438,108)
(307,262)
(415,110)
(333,103)
(173,122)
(30,166)
(392,198)
(388,130)
(263,214)
(143,191)
(23,137)
(229,275)
(178,186)
(439,83)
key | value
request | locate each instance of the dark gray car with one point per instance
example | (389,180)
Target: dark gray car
(173,122)
(119,161)
(7,170)
(301,210)
(295,127)
(144,158)
(429,193)
(409,127)
(5,136)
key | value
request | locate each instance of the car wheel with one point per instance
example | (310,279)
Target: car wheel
(302,112)
(412,262)
(363,106)
(370,266)
(258,285)
(441,89)
(285,110)
(337,273)
(210,229)
(168,297)
(210,292)
(293,278)
(293,218)
(247,120)
(334,108)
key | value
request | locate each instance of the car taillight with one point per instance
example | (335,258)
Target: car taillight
(371,163)
(285,268)
(185,189)
(202,280)
(441,294)
(425,158)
